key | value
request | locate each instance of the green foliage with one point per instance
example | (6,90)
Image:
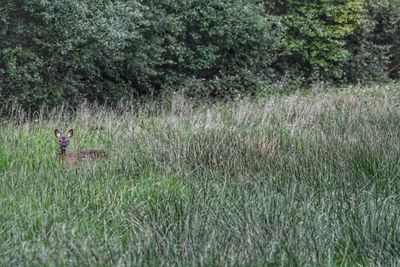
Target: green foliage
(314,46)
(54,52)
(375,44)
(108,50)
(72,50)
(213,41)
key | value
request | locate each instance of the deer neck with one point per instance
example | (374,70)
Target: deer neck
(62,152)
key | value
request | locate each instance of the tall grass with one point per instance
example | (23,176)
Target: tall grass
(297,180)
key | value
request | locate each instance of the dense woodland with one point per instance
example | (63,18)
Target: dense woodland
(64,51)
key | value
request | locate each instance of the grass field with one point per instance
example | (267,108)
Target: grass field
(284,181)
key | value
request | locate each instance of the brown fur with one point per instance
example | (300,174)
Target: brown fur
(73,158)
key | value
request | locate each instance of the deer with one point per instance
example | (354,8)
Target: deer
(72,158)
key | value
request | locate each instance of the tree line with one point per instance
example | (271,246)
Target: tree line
(105,50)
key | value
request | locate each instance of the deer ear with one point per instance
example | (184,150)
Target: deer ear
(58,133)
(70,133)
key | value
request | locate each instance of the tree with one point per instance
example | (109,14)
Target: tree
(315,37)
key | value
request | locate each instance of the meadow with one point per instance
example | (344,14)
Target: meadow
(309,179)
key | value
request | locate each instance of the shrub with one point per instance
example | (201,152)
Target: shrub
(216,41)
(314,46)
(72,50)
(375,44)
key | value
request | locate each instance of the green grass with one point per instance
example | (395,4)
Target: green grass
(286,181)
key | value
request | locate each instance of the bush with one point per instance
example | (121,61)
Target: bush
(103,51)
(71,50)
(314,47)
(67,51)
(374,46)
(215,41)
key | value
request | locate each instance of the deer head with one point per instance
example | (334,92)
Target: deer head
(63,139)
